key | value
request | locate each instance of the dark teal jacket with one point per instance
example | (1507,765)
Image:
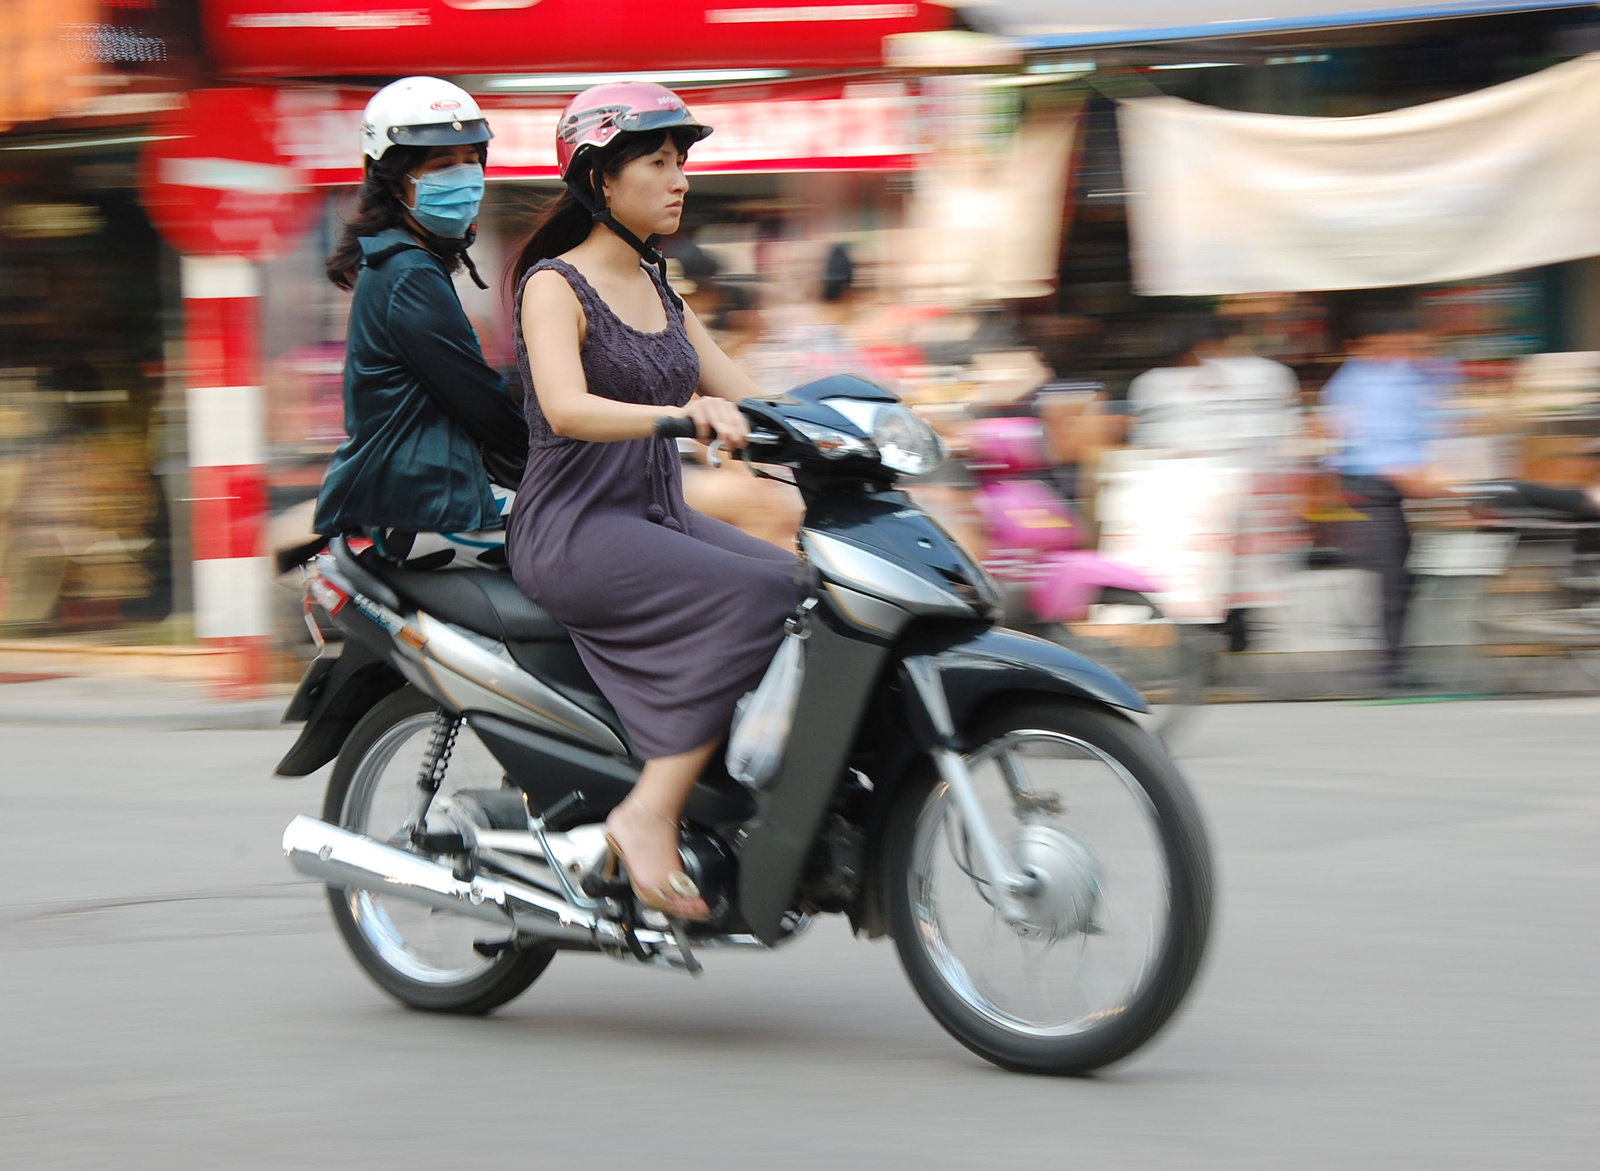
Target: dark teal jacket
(419,401)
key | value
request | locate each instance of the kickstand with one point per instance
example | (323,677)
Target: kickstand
(690,964)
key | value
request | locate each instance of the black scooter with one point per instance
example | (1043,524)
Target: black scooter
(975,793)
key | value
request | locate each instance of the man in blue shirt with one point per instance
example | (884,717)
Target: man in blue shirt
(1379,406)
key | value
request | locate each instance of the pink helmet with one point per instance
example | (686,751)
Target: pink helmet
(595,118)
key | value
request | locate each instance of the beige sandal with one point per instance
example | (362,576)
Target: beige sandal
(678,886)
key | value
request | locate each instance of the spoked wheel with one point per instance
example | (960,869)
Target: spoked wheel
(426,958)
(1111,935)
(1127,633)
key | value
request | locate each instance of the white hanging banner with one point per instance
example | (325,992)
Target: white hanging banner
(987,229)
(1503,179)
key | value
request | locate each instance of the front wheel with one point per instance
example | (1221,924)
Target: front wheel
(1111,935)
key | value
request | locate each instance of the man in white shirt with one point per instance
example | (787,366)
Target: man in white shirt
(1220,400)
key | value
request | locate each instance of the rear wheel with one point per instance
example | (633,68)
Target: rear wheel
(425,958)
(1110,938)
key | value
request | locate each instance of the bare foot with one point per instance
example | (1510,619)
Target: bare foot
(649,844)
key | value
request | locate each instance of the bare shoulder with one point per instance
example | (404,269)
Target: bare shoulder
(549,283)
(548,297)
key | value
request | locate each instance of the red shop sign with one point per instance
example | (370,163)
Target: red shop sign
(308,38)
(215,182)
(864,127)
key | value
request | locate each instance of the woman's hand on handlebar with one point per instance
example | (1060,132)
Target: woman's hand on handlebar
(718,418)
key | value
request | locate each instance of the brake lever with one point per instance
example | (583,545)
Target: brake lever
(750,460)
(715,460)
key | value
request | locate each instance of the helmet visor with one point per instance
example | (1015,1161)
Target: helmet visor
(441,133)
(644,121)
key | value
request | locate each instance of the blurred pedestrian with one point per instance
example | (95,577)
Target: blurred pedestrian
(821,344)
(1379,408)
(693,274)
(1216,397)
(1220,400)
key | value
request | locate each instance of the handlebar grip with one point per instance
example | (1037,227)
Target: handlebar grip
(672,427)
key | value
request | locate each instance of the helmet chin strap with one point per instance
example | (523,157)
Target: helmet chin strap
(447,247)
(594,203)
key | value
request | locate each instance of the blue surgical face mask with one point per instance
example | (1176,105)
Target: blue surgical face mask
(447,199)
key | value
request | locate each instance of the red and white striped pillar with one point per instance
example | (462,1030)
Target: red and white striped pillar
(227,469)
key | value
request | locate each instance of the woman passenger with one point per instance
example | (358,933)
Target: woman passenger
(424,412)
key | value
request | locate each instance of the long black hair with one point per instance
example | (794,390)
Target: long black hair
(378,208)
(563,223)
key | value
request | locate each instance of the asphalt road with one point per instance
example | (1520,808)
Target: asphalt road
(1403,975)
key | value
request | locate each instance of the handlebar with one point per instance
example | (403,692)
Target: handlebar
(672,427)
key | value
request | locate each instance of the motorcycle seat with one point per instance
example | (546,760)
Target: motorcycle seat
(484,601)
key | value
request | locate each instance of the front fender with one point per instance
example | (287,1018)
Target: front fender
(976,664)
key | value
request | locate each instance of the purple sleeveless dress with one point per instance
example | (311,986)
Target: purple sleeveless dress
(675,614)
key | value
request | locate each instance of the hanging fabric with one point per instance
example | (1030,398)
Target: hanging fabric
(1503,179)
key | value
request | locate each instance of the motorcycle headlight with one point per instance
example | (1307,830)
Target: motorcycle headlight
(905,441)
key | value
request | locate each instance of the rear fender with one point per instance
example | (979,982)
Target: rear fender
(333,696)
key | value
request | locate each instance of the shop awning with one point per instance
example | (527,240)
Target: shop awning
(1082,24)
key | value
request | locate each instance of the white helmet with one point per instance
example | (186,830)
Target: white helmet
(420,111)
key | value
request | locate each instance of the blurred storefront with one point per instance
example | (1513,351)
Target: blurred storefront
(966,159)
(91,521)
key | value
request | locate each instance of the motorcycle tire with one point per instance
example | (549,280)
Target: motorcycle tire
(503,976)
(1170,823)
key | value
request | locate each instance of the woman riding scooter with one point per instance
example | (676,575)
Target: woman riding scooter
(429,423)
(676,615)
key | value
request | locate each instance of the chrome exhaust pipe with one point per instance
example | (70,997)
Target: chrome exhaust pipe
(350,861)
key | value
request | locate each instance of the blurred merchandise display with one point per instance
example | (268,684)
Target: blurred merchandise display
(1555,385)
(1489,319)
(91,526)
(87,525)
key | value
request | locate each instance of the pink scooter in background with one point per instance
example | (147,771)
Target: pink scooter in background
(1062,591)
(1035,538)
